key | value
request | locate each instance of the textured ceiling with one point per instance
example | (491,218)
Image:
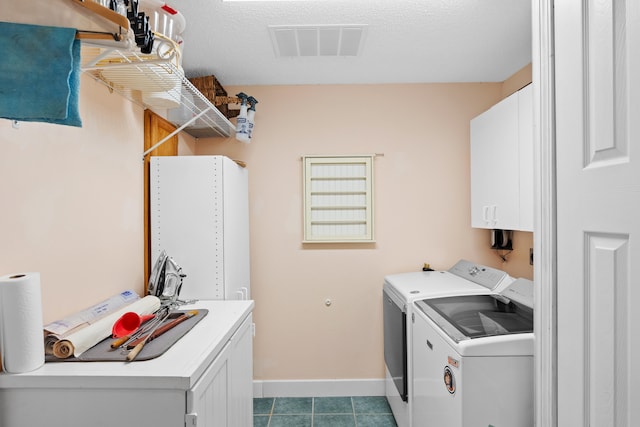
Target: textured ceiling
(407,41)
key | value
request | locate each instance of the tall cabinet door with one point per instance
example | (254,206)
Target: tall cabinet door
(236,230)
(525,156)
(494,173)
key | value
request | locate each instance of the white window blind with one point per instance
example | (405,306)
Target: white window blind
(338,199)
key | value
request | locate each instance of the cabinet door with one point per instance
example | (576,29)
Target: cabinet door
(207,401)
(525,142)
(241,368)
(494,167)
(236,230)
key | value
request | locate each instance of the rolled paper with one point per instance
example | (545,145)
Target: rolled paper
(78,342)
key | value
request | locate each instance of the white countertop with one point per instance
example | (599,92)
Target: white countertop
(178,368)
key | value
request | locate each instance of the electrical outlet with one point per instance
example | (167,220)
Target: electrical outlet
(530,256)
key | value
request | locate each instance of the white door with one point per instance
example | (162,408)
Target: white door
(597,52)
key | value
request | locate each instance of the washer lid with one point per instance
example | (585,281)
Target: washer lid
(425,284)
(466,317)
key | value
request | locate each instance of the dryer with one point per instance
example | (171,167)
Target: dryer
(474,359)
(399,292)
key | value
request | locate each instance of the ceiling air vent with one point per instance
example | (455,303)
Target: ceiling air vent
(317,40)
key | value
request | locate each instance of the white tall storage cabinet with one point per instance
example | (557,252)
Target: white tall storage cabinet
(200,216)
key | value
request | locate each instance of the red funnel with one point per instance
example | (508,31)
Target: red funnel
(128,323)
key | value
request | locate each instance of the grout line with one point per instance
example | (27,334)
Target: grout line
(353,406)
(273,406)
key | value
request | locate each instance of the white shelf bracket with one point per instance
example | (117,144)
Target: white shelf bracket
(175,132)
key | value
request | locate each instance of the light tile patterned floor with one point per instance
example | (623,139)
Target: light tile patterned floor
(357,411)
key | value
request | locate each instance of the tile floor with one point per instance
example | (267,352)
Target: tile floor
(360,411)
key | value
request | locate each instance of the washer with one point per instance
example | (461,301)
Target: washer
(399,293)
(474,359)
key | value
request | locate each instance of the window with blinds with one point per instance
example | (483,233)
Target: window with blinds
(338,199)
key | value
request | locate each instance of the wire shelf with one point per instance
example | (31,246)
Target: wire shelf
(157,82)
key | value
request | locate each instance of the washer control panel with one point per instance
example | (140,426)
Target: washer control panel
(488,277)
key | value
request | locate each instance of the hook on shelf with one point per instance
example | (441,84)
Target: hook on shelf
(98,35)
(503,256)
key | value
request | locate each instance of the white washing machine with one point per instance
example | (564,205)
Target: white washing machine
(474,359)
(399,293)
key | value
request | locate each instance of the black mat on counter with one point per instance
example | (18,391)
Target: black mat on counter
(102,352)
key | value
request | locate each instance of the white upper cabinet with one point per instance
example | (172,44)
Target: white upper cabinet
(502,165)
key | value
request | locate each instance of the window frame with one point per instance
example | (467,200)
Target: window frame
(354,190)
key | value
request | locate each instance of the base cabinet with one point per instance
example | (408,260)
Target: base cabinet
(203,380)
(224,394)
(241,386)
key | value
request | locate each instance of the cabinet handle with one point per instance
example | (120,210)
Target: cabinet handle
(494,219)
(485,213)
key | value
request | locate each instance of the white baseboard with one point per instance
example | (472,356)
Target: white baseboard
(319,388)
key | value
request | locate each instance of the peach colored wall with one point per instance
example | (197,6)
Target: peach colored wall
(422,214)
(72,202)
(517,81)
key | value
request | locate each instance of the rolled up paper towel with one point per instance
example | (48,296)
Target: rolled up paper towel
(21,323)
(80,341)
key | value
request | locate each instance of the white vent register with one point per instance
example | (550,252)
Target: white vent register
(338,199)
(317,40)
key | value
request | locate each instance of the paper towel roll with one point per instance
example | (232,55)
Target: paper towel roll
(21,323)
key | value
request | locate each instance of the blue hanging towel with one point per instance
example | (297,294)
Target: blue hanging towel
(39,74)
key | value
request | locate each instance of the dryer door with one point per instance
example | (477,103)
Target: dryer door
(395,342)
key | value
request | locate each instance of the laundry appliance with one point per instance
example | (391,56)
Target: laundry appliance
(474,359)
(399,292)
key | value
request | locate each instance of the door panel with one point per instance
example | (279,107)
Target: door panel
(607,333)
(598,211)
